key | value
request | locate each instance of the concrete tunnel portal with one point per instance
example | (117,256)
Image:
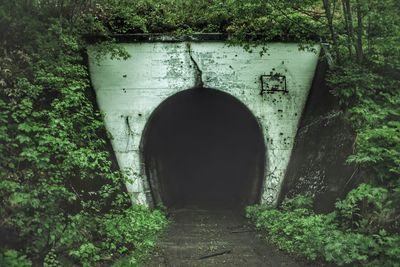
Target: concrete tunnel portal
(130,92)
(203,148)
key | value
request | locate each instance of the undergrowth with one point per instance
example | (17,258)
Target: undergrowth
(63,202)
(295,228)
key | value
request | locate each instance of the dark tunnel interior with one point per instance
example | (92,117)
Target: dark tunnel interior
(202,148)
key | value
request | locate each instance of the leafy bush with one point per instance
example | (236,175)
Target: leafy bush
(297,202)
(366,208)
(11,258)
(134,229)
(324,236)
(131,232)
(58,186)
(371,100)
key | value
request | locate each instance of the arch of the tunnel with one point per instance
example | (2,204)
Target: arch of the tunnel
(152,167)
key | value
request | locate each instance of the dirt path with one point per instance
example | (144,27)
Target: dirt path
(205,238)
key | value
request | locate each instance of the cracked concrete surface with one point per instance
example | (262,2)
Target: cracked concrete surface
(198,75)
(158,70)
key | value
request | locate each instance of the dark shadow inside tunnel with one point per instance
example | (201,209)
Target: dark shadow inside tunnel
(202,148)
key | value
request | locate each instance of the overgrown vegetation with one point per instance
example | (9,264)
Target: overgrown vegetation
(62,202)
(363,230)
(343,237)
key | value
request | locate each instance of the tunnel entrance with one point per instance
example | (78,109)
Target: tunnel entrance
(202,148)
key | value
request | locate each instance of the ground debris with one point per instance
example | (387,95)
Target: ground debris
(242,231)
(218,253)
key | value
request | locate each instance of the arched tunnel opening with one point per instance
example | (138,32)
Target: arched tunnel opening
(202,148)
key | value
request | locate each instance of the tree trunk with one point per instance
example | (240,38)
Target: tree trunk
(348,32)
(328,13)
(359,47)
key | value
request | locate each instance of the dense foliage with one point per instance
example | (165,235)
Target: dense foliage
(328,237)
(62,202)
(365,76)
(61,198)
(367,85)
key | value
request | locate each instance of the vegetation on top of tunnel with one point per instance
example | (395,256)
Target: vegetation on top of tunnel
(61,197)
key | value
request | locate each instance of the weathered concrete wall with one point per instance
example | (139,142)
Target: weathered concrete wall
(323,143)
(128,91)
